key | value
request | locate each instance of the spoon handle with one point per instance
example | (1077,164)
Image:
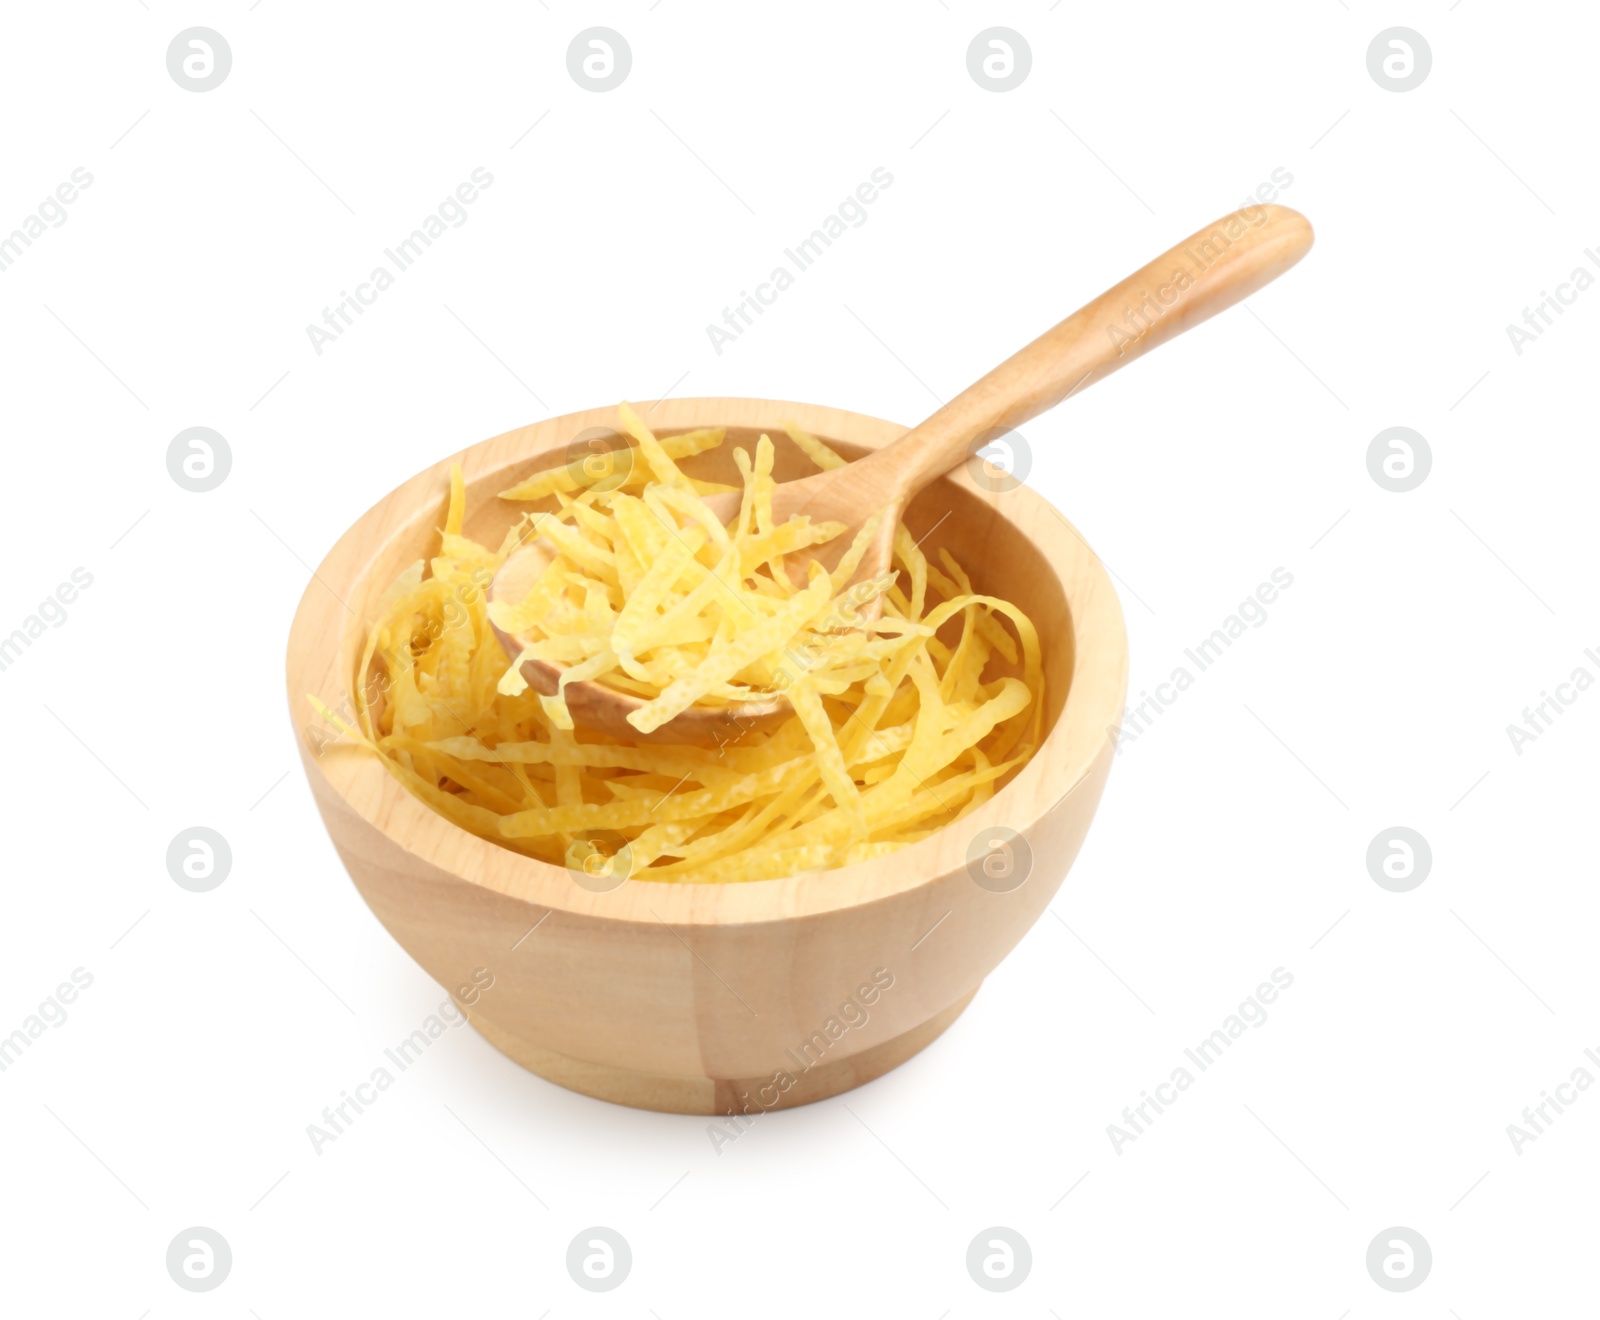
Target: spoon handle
(1203,275)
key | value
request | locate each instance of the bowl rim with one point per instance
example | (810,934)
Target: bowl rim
(360,782)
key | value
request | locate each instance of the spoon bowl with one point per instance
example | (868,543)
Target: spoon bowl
(606,709)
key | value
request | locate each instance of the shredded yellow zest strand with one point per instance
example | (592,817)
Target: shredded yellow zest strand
(897,726)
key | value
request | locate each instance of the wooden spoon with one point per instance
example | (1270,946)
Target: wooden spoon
(1205,274)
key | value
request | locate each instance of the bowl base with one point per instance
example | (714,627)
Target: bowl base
(715,1095)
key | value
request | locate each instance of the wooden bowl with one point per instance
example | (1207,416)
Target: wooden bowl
(710,999)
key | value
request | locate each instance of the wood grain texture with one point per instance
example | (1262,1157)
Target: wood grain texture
(677,997)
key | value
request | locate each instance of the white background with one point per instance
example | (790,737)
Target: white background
(1233,835)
